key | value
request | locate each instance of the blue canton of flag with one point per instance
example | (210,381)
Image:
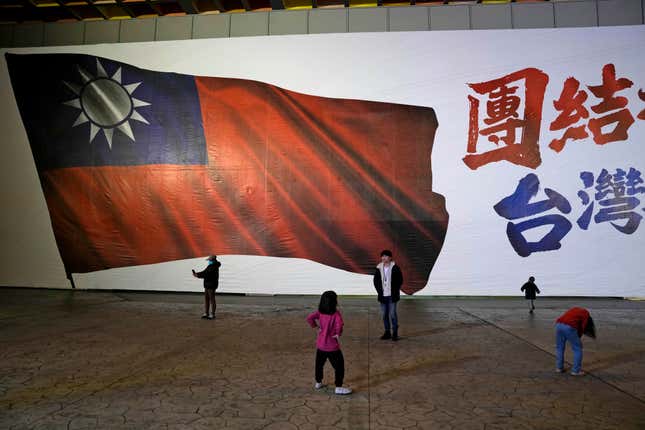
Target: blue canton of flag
(81,110)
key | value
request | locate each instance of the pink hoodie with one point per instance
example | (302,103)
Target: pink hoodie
(329,326)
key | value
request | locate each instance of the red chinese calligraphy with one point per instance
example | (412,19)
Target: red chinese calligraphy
(570,106)
(503,121)
(572,111)
(610,103)
(641,95)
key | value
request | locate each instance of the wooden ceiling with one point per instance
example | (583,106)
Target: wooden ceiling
(18,11)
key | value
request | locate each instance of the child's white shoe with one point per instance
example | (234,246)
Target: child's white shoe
(319,385)
(342,391)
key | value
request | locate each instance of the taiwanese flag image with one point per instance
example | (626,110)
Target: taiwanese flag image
(140,167)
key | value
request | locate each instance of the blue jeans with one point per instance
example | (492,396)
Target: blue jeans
(388,309)
(564,333)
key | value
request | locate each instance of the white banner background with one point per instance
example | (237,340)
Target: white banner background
(419,68)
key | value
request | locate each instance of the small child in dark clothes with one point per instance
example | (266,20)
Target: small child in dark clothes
(530,289)
(329,323)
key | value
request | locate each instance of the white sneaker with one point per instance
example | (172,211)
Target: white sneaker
(342,391)
(319,385)
(559,370)
(581,373)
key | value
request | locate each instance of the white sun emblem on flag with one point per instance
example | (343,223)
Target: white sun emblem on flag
(105,103)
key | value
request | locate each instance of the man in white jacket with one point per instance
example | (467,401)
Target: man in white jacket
(388,279)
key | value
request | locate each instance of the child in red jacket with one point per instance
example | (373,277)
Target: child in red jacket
(570,327)
(329,323)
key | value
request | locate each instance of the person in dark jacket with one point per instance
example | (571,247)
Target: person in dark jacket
(210,275)
(530,289)
(569,328)
(388,279)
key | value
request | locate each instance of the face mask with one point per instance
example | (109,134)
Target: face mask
(210,262)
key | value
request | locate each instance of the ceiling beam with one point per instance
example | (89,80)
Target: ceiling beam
(188,6)
(246,5)
(70,10)
(32,12)
(97,9)
(125,8)
(218,4)
(154,7)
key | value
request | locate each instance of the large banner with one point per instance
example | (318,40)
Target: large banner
(478,158)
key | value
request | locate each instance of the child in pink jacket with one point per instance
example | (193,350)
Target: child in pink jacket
(329,322)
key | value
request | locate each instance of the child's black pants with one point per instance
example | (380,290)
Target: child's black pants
(337,361)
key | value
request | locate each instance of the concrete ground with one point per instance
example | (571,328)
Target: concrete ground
(134,361)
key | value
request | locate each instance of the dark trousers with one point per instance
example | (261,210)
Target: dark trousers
(388,310)
(337,361)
